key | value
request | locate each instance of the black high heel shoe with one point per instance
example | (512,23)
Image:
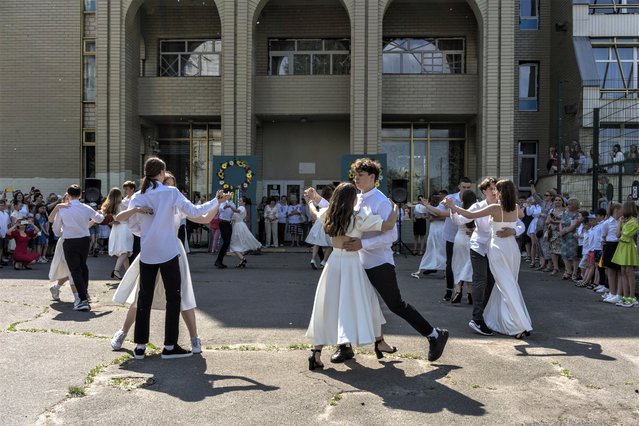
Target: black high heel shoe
(312,362)
(116,276)
(242,264)
(523,334)
(457,298)
(380,353)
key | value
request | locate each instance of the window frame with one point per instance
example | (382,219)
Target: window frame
(629,87)
(529,18)
(523,100)
(521,156)
(420,55)
(312,53)
(163,71)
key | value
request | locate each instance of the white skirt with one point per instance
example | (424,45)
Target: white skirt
(317,236)
(127,291)
(435,255)
(242,240)
(58,269)
(462,268)
(120,240)
(346,307)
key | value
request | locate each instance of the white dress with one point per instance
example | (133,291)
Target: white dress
(121,238)
(346,307)
(462,268)
(435,255)
(241,239)
(505,311)
(316,235)
(127,291)
(58,269)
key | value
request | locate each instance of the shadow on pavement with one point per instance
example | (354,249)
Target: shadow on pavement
(66,313)
(190,382)
(421,393)
(562,347)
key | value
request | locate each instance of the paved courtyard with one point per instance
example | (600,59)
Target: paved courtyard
(580,366)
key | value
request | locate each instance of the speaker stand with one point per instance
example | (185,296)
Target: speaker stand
(400,243)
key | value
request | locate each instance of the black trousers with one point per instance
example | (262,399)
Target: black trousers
(384,280)
(182,234)
(76,251)
(172,287)
(226,229)
(450,279)
(136,248)
(483,283)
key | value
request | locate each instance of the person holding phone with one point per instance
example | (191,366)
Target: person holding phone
(227,208)
(22,258)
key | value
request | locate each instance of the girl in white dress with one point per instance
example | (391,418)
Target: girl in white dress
(121,238)
(506,310)
(242,240)
(462,267)
(127,290)
(434,258)
(346,308)
(317,237)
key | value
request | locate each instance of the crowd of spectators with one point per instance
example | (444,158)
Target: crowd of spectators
(572,160)
(596,249)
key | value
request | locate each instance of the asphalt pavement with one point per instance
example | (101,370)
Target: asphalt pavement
(580,366)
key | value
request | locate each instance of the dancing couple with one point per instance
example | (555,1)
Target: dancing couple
(495,259)
(345,311)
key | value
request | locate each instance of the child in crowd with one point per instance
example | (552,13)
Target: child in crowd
(42,240)
(626,255)
(587,262)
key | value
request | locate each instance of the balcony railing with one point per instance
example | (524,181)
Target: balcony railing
(612,9)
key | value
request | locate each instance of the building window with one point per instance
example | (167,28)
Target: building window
(309,57)
(528,86)
(608,7)
(617,62)
(190,58)
(528,14)
(89,78)
(423,56)
(89,5)
(527,163)
(429,155)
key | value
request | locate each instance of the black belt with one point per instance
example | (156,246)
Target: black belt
(223,220)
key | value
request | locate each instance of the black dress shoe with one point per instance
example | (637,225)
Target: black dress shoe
(436,345)
(429,271)
(220,265)
(343,353)
(448,295)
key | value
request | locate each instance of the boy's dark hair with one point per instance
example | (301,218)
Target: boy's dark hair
(129,184)
(485,184)
(601,212)
(464,179)
(74,191)
(368,165)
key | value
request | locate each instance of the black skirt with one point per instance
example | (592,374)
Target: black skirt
(419,227)
(608,252)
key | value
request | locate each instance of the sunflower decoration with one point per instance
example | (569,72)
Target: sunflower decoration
(351,175)
(248,174)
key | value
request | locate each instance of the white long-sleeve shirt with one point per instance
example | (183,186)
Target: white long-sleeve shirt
(157,231)
(73,221)
(483,232)
(450,229)
(609,230)
(376,246)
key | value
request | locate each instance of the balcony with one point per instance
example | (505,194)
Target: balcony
(586,23)
(179,96)
(302,94)
(430,94)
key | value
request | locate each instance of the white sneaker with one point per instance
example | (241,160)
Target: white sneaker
(55,292)
(599,289)
(118,339)
(82,306)
(613,299)
(196,345)
(322,264)
(605,295)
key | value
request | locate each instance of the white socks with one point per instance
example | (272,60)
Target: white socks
(140,346)
(169,347)
(434,334)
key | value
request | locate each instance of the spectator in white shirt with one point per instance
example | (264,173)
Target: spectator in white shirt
(5,221)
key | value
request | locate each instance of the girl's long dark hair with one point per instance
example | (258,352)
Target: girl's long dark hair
(340,210)
(508,193)
(468,199)
(153,166)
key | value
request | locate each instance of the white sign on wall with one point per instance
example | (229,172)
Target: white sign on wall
(307,168)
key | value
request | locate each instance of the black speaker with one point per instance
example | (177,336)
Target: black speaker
(399,190)
(92,190)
